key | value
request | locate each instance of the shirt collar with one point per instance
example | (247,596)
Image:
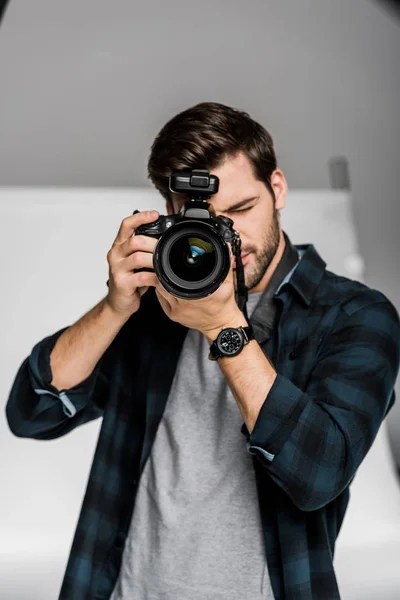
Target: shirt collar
(302,275)
(264,316)
(307,274)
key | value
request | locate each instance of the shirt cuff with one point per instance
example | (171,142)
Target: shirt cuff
(277,418)
(41,376)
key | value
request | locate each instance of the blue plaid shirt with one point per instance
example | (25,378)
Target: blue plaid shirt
(336,351)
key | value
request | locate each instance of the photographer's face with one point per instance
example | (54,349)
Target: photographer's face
(259,224)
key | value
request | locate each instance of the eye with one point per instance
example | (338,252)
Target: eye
(243,210)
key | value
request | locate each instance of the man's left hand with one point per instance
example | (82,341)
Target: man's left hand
(214,312)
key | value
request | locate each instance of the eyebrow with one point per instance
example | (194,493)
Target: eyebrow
(240,204)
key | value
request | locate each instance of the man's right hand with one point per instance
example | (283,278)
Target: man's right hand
(129,252)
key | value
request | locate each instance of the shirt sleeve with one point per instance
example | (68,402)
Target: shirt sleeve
(36,409)
(312,442)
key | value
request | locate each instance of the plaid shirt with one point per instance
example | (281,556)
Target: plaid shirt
(336,351)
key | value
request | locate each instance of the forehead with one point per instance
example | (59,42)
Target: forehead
(237,168)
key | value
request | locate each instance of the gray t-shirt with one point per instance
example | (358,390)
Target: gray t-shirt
(196,532)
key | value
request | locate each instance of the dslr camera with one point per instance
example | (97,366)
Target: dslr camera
(192,258)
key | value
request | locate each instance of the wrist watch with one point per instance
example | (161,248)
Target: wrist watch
(230,341)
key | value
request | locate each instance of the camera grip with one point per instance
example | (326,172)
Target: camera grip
(148,230)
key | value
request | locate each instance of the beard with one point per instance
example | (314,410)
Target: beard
(255,271)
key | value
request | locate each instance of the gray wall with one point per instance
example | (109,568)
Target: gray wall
(85,86)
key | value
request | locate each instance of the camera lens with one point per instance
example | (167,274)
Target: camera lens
(192,258)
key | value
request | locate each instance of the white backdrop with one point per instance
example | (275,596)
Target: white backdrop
(53,246)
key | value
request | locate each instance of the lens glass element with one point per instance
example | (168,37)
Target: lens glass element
(192,258)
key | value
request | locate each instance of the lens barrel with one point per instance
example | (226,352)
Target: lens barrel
(191,259)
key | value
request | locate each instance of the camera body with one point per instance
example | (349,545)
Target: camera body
(191,258)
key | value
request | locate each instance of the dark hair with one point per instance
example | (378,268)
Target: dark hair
(203,137)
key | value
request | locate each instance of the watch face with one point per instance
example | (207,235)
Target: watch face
(230,342)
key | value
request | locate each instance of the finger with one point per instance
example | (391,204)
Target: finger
(138,243)
(143,290)
(145,278)
(139,260)
(129,224)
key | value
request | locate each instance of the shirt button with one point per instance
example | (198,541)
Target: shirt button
(293,354)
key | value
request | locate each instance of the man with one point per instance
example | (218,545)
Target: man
(221,479)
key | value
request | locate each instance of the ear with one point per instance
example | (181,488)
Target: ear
(171,210)
(174,208)
(280,187)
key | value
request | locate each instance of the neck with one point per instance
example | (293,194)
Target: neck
(274,263)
